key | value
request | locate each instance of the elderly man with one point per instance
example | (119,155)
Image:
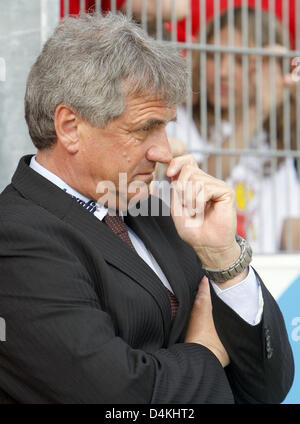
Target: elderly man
(104,307)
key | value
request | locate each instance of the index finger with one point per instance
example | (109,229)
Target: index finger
(178,163)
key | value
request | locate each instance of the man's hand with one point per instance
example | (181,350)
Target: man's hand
(201,328)
(204,212)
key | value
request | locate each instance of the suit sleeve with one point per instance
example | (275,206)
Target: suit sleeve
(262,366)
(62,347)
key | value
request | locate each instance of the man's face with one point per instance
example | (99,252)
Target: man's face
(130,144)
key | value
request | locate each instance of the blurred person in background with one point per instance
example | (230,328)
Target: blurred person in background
(260,189)
(209,9)
(136,6)
(183,9)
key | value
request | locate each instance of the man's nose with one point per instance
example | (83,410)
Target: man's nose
(159,151)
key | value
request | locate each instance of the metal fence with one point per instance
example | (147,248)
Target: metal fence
(240,121)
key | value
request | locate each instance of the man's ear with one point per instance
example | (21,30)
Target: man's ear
(66,125)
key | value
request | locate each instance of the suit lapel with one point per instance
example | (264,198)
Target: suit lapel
(156,242)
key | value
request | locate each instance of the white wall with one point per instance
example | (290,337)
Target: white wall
(24,26)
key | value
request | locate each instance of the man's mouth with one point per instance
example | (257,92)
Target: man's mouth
(145,176)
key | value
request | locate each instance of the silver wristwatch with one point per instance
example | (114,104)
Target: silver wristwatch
(240,264)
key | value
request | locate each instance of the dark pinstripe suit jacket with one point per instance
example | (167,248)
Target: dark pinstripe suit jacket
(87,321)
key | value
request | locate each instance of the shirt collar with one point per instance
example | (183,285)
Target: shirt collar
(101,211)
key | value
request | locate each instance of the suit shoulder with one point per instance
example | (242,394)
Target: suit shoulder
(15,207)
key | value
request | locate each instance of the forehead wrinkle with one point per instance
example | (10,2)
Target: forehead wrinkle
(141,111)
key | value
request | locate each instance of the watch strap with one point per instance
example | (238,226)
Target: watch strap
(235,269)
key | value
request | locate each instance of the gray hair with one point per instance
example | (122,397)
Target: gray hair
(91,64)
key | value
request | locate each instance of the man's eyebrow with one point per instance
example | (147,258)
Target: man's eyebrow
(156,122)
(153,123)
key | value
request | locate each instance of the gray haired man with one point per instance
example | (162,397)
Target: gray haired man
(110,309)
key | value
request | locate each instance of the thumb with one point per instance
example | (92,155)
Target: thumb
(201,313)
(202,308)
(203,299)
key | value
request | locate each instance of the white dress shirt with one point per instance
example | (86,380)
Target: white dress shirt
(245,298)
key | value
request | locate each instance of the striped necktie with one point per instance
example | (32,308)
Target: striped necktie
(117,225)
